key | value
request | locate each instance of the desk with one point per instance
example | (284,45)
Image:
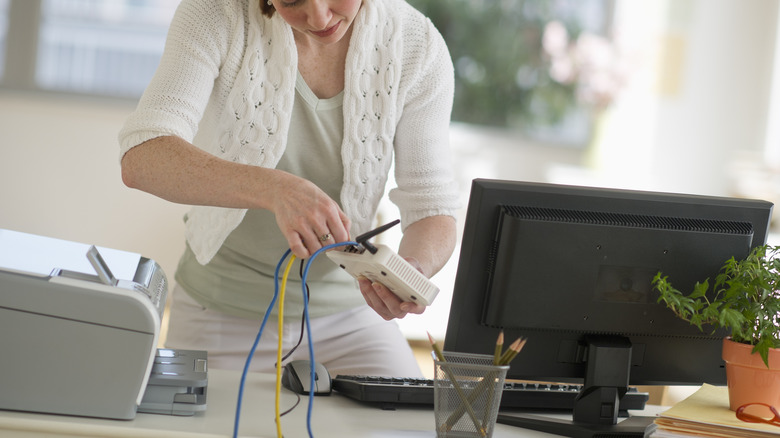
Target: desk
(334,416)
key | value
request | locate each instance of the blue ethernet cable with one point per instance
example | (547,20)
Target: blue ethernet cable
(308,328)
(308,334)
(257,341)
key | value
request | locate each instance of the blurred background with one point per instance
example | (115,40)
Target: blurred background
(667,95)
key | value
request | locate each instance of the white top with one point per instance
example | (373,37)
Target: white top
(226,83)
(239,279)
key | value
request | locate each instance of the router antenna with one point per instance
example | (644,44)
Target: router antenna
(363,238)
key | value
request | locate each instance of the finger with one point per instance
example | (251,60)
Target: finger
(404,307)
(323,234)
(338,232)
(326,238)
(390,300)
(312,241)
(336,227)
(414,308)
(376,303)
(297,246)
(346,224)
(373,301)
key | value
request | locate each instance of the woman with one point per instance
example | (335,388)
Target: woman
(278,121)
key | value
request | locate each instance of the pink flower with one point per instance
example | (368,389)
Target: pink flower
(592,62)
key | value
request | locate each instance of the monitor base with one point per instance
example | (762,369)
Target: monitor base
(637,426)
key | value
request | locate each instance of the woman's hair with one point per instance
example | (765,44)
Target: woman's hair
(268,10)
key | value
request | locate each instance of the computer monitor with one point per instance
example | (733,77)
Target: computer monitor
(570,269)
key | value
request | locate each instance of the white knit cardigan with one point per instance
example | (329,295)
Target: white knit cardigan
(226,82)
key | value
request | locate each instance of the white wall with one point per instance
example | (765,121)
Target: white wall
(59,177)
(720,108)
(698,103)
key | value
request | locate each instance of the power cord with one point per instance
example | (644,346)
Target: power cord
(308,294)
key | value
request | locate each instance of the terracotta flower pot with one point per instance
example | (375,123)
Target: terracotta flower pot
(749,380)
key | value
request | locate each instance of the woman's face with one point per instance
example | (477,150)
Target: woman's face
(323,21)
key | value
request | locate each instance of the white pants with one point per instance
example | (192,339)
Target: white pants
(354,342)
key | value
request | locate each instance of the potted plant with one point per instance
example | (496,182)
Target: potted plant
(744,299)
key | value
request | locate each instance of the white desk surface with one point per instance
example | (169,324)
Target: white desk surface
(333,416)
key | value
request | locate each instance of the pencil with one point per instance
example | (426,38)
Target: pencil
(436,349)
(463,399)
(513,351)
(499,347)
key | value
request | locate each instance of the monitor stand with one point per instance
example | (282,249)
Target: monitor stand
(630,427)
(608,361)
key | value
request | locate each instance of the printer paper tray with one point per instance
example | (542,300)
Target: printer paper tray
(177,384)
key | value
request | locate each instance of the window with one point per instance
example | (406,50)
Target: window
(503,70)
(102,47)
(99,46)
(112,47)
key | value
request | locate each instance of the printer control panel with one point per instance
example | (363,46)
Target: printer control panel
(150,280)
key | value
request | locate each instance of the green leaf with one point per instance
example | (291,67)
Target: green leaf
(744,298)
(731,318)
(700,289)
(762,348)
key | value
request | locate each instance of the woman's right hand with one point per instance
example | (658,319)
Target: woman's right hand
(307,217)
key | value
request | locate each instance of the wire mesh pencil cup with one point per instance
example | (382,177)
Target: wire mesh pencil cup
(467,394)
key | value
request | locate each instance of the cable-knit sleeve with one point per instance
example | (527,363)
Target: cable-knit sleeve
(423,162)
(195,48)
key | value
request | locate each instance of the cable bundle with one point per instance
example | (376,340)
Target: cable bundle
(279,294)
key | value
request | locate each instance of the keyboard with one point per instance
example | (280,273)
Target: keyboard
(390,391)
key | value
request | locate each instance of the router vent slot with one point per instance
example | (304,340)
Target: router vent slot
(397,265)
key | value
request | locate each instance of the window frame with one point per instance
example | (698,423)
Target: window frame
(24,18)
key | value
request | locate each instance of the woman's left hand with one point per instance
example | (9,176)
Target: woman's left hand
(386,303)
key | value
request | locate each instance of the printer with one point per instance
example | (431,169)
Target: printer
(79,329)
